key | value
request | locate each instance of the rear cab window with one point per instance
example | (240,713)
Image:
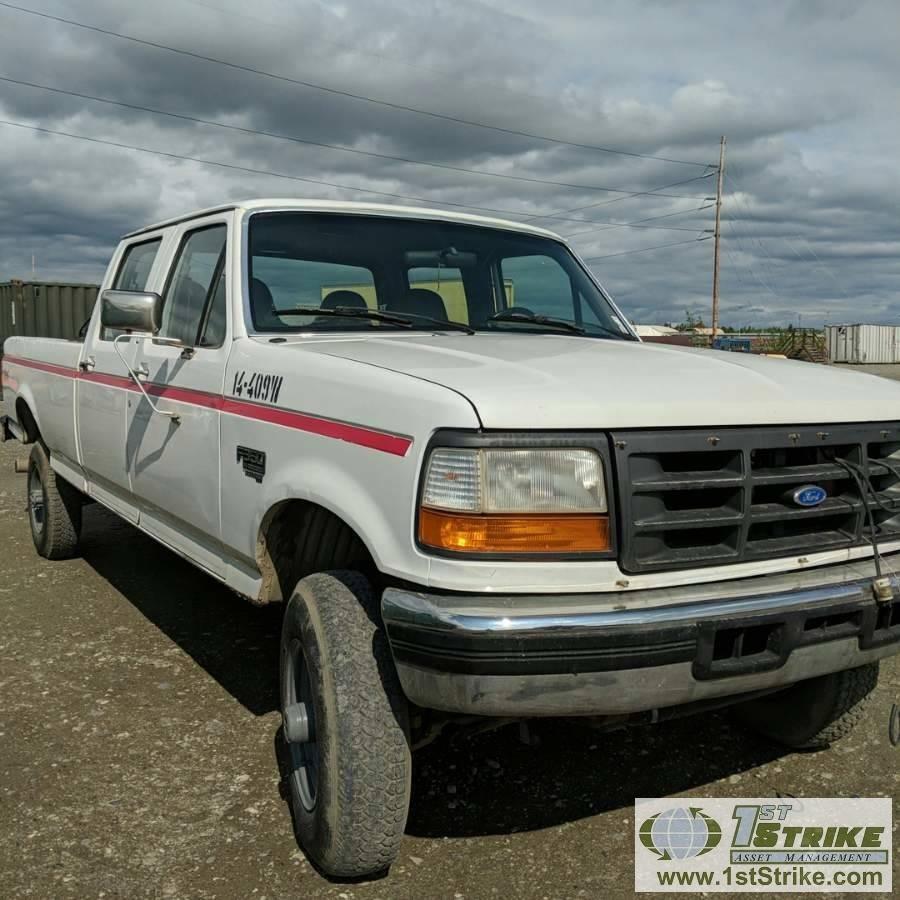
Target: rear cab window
(448,284)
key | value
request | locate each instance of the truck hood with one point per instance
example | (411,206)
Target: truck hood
(550,381)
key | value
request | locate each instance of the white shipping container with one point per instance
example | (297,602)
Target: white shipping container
(859,344)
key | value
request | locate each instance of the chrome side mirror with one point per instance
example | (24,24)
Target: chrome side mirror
(131,311)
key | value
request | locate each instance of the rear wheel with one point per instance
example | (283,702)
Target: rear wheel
(345,725)
(815,713)
(54,508)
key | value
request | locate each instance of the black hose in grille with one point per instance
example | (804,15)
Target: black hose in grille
(866,492)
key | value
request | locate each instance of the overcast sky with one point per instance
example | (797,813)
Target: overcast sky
(807,93)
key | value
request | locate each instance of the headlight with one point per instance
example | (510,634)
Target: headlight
(514,501)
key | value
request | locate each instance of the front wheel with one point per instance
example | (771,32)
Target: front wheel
(815,713)
(54,508)
(345,725)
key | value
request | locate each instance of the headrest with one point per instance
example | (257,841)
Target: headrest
(349,299)
(263,305)
(421,301)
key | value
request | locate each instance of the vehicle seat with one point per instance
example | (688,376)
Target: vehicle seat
(263,306)
(348,299)
(420,301)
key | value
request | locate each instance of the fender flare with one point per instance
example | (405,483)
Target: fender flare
(302,481)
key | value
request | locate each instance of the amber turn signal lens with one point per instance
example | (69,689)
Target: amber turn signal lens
(514,534)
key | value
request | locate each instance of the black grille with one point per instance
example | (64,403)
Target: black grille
(703,497)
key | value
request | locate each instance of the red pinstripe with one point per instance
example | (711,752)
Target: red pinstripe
(396,445)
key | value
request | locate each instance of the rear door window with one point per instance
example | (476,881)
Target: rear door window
(134,273)
(134,270)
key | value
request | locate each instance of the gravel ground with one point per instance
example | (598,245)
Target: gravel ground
(885,370)
(138,752)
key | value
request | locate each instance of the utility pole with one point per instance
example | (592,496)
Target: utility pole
(718,236)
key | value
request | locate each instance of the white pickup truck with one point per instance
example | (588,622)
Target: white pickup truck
(438,442)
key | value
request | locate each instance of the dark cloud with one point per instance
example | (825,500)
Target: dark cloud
(801,89)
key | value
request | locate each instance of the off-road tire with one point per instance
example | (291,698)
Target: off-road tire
(364,764)
(57,536)
(812,714)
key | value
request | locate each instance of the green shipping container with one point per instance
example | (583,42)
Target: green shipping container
(44,309)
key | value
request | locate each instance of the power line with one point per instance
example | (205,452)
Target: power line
(753,272)
(826,269)
(591,259)
(342,93)
(813,254)
(297,140)
(735,261)
(764,258)
(229,13)
(254,171)
(639,222)
(235,167)
(655,191)
(252,131)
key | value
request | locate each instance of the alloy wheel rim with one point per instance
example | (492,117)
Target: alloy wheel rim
(297,695)
(36,504)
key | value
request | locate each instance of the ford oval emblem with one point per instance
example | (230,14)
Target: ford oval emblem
(809,495)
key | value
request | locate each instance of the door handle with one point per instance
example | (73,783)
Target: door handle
(87,364)
(138,376)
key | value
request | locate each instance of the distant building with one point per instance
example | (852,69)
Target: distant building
(654,330)
(663,334)
(862,343)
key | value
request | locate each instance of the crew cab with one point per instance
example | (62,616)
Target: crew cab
(438,442)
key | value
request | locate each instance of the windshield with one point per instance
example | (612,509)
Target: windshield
(429,273)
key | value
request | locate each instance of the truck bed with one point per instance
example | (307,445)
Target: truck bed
(42,372)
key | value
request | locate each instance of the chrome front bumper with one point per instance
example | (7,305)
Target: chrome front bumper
(632,651)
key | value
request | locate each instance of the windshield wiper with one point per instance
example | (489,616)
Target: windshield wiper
(348,312)
(513,315)
(444,323)
(357,312)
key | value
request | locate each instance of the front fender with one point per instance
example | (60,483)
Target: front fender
(370,485)
(329,485)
